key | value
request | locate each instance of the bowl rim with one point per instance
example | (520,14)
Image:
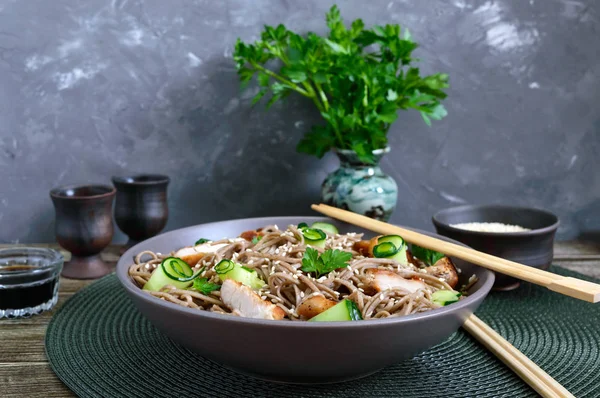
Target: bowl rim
(123,265)
(58,192)
(54,266)
(131,179)
(533,232)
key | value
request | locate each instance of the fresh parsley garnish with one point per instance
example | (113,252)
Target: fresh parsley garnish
(204,286)
(256,239)
(429,257)
(325,263)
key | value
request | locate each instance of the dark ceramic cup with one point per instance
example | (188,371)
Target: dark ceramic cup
(141,209)
(84,227)
(533,248)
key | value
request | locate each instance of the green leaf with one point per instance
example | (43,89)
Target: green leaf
(204,286)
(256,239)
(429,257)
(439,112)
(296,75)
(320,78)
(258,96)
(426,118)
(338,48)
(329,261)
(334,259)
(263,79)
(310,260)
(317,142)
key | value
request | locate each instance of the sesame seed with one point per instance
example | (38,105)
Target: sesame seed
(295,276)
(360,289)
(381,297)
(248,250)
(356,272)
(263,297)
(301,294)
(250,262)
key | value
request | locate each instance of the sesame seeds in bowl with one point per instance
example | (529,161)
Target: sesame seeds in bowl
(521,234)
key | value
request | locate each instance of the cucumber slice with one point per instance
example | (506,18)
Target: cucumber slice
(445,297)
(345,310)
(323,226)
(314,237)
(172,271)
(302,225)
(227,269)
(385,250)
(400,255)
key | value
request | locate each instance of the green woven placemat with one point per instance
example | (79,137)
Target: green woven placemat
(99,345)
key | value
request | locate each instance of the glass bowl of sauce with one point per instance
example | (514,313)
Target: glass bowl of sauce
(28,280)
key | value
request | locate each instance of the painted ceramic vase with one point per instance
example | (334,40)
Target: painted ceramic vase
(361,187)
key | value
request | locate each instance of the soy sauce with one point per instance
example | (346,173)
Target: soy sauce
(19,297)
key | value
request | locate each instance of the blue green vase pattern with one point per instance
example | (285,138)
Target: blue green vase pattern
(360,187)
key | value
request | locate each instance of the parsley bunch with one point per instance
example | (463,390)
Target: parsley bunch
(357,78)
(325,263)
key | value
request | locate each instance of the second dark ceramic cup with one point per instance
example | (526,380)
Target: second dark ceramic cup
(141,209)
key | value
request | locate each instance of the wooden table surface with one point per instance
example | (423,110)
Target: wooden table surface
(24,369)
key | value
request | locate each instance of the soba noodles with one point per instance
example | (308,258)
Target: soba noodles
(277,259)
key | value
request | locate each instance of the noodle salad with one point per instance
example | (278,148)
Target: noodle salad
(301,273)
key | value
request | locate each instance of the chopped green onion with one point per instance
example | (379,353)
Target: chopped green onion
(201,241)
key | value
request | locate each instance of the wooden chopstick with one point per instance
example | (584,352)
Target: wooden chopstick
(569,286)
(524,367)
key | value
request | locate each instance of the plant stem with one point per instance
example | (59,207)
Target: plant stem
(323,96)
(291,85)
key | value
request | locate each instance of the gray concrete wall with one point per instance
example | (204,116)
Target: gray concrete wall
(96,88)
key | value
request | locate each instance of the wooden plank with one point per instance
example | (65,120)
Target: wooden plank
(30,380)
(110,254)
(587,267)
(576,250)
(23,343)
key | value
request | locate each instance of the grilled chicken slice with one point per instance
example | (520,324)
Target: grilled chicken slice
(242,300)
(313,306)
(381,279)
(193,254)
(249,235)
(444,269)
(363,246)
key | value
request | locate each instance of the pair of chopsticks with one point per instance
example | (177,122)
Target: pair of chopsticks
(569,286)
(524,367)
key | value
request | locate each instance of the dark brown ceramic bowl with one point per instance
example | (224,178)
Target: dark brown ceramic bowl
(296,352)
(534,248)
